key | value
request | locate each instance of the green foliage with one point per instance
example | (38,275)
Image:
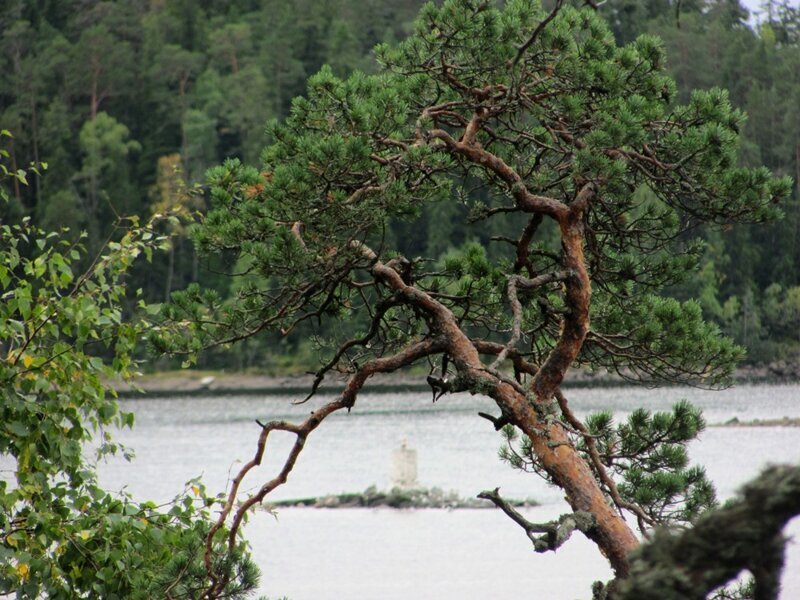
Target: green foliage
(664,340)
(202,79)
(620,97)
(63,340)
(106,147)
(648,451)
(20,175)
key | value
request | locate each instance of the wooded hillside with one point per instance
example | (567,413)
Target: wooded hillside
(130,102)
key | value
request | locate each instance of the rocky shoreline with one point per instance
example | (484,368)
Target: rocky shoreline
(782,422)
(190,382)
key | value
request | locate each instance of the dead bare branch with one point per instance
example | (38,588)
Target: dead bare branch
(546,537)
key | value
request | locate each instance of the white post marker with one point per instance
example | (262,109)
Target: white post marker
(404,467)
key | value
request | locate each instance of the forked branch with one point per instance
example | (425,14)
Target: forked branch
(645,522)
(546,537)
(301,432)
(516,282)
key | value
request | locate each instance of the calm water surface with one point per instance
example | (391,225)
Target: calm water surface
(370,554)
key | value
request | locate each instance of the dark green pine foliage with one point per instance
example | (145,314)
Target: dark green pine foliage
(648,457)
(358,154)
(713,43)
(322,154)
(649,452)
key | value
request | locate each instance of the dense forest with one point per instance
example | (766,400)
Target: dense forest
(129,103)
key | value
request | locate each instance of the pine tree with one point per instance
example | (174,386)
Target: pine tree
(542,120)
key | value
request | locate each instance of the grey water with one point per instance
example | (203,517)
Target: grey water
(370,554)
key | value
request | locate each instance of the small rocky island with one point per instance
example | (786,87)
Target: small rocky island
(404,493)
(397,497)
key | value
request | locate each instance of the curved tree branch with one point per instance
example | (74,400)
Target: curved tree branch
(347,399)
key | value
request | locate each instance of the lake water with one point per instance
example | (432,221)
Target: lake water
(366,554)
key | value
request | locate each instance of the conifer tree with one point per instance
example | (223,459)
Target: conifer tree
(540,119)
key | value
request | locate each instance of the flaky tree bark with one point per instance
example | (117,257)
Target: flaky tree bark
(534,410)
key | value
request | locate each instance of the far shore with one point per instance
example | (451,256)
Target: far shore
(195,382)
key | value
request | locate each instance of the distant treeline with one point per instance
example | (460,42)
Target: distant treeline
(130,101)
